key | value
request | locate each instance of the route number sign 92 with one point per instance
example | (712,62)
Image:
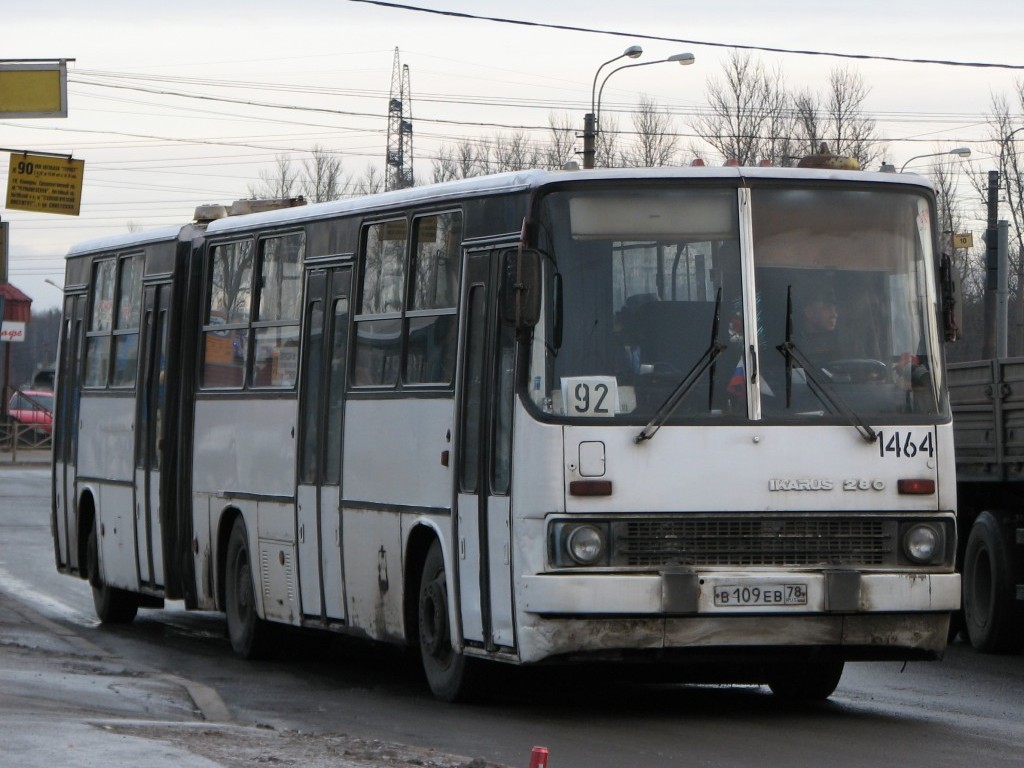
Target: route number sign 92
(590,396)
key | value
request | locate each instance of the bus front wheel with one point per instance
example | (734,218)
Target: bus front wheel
(448,672)
(113,605)
(249,634)
(806,683)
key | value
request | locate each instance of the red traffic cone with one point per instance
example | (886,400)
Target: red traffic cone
(539,757)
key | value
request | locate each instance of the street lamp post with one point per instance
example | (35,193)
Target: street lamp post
(1004,145)
(594,118)
(681,58)
(963,152)
(1006,139)
(590,120)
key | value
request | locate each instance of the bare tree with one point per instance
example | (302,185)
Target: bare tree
(371,182)
(561,148)
(514,152)
(321,179)
(459,161)
(277,183)
(606,149)
(753,117)
(749,111)
(809,124)
(969,265)
(851,132)
(493,154)
(1007,149)
(837,119)
(1007,133)
(655,143)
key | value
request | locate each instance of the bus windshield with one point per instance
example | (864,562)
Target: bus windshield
(654,290)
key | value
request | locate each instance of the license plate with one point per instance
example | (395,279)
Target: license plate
(766,595)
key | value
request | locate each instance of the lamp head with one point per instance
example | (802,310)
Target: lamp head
(682,58)
(961,151)
(633,52)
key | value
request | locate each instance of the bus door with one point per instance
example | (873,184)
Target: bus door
(65,432)
(483,526)
(321,408)
(151,417)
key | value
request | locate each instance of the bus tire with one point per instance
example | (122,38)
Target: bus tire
(112,605)
(805,683)
(448,672)
(991,613)
(249,634)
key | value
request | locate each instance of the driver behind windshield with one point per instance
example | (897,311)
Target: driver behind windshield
(816,333)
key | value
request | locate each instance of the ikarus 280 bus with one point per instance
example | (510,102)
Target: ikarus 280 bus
(689,417)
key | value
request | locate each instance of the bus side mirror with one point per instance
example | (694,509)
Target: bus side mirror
(520,287)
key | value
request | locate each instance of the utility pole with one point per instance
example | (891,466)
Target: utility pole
(991,266)
(1003,291)
(589,139)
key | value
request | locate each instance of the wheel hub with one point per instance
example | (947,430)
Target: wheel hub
(434,618)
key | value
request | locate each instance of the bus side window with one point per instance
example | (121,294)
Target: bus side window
(431,331)
(228,310)
(378,322)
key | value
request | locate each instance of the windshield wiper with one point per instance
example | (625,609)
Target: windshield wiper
(682,389)
(823,389)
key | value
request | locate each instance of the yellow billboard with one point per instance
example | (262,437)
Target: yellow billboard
(45,184)
(33,89)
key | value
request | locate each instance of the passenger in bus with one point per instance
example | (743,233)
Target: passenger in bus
(629,332)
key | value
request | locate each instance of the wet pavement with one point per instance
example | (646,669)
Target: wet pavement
(66,701)
(61,699)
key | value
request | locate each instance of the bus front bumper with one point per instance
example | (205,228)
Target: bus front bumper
(856,616)
(728,594)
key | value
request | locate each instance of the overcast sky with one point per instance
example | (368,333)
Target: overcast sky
(152,153)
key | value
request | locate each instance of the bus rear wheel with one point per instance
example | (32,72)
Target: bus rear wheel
(112,605)
(249,634)
(449,673)
(805,683)
(993,619)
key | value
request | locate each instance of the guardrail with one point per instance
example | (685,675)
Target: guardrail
(23,443)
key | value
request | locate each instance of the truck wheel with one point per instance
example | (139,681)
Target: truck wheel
(805,683)
(250,635)
(449,673)
(112,605)
(989,589)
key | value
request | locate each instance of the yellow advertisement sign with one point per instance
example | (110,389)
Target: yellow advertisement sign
(34,90)
(45,184)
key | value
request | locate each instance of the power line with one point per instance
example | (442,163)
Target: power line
(695,110)
(641,36)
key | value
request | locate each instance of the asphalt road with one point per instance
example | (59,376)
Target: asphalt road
(965,710)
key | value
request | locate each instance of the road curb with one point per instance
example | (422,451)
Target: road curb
(205,699)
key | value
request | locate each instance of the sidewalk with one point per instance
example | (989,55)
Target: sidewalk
(65,701)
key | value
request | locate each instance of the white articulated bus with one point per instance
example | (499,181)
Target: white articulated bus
(693,417)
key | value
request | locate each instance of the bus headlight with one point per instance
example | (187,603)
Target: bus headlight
(580,543)
(923,543)
(585,544)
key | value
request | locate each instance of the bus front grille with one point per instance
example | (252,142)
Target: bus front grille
(748,541)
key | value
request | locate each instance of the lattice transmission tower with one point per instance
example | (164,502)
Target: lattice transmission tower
(398,174)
